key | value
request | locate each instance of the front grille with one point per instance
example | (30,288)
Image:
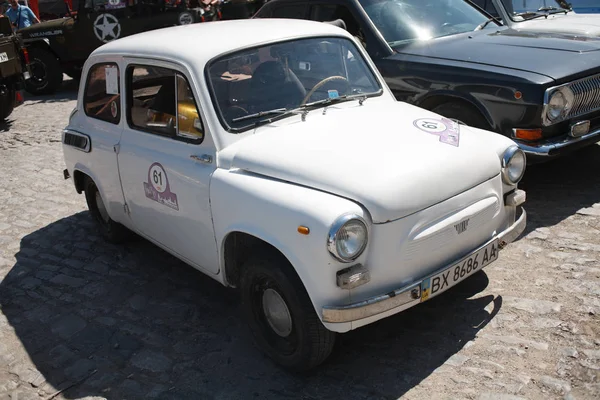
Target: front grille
(435,241)
(587,95)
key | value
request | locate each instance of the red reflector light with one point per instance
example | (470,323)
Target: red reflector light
(26,55)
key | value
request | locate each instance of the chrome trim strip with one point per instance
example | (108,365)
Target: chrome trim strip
(405,295)
(546,148)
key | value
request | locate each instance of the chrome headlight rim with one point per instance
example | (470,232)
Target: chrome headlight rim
(567,93)
(507,157)
(335,229)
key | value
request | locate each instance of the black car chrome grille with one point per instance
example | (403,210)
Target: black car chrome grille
(587,95)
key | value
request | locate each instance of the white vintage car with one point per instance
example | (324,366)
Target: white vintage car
(279,163)
(543,16)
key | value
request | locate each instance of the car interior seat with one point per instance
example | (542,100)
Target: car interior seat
(274,86)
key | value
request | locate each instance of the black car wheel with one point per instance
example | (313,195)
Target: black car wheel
(111,230)
(281,316)
(464,114)
(46,72)
(7,103)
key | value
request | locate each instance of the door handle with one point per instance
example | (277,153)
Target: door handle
(204,158)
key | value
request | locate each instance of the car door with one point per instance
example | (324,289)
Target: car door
(166,162)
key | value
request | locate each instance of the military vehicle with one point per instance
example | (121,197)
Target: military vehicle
(62,45)
(13,69)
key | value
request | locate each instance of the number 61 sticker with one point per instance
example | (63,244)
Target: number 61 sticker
(158,189)
(447,130)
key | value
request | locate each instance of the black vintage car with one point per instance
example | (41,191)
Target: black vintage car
(63,44)
(451,57)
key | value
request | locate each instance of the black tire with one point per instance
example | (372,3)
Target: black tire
(308,343)
(46,72)
(112,231)
(466,114)
(7,104)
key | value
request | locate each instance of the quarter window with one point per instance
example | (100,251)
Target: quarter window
(102,98)
(161,101)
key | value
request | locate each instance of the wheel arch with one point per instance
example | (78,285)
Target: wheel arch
(238,246)
(42,44)
(434,100)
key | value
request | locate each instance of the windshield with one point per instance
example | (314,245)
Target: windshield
(407,20)
(271,79)
(521,10)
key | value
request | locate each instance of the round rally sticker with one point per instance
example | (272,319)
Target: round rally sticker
(447,130)
(158,178)
(113,109)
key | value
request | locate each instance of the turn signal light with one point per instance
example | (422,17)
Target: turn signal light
(303,230)
(528,134)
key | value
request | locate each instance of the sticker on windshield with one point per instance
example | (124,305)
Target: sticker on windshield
(446,129)
(158,189)
(333,94)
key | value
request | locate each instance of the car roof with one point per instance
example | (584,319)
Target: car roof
(198,43)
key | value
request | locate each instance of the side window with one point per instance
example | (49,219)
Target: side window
(488,6)
(293,11)
(161,101)
(101,99)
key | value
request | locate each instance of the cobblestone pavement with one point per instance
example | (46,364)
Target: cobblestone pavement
(85,318)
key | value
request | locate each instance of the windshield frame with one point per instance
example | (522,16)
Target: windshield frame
(500,5)
(237,130)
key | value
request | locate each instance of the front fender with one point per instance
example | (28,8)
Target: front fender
(272,210)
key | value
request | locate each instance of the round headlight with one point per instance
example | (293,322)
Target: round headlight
(347,238)
(560,103)
(513,165)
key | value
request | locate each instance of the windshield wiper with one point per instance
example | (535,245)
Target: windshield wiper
(260,114)
(560,10)
(281,112)
(484,24)
(330,100)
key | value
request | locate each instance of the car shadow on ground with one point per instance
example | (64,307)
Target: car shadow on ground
(559,188)
(67,92)
(131,321)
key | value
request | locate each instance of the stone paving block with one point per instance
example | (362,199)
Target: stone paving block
(68,325)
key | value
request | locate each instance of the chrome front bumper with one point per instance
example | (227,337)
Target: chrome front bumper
(555,148)
(412,293)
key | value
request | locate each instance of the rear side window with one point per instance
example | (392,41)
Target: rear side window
(102,99)
(161,101)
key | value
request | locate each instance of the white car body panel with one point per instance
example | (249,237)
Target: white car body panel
(569,23)
(367,159)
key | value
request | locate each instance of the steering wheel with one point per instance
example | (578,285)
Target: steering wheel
(318,85)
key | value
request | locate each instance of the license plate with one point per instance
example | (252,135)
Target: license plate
(3,57)
(436,284)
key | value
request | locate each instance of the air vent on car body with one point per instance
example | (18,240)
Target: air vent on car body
(77,140)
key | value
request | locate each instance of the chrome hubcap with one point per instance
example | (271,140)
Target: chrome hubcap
(101,207)
(277,313)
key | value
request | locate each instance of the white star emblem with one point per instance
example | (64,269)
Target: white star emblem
(107,27)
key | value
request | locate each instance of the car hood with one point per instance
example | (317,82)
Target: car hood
(578,24)
(563,55)
(373,154)
(47,28)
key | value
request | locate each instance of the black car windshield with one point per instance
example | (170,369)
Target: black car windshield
(255,85)
(408,20)
(522,10)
